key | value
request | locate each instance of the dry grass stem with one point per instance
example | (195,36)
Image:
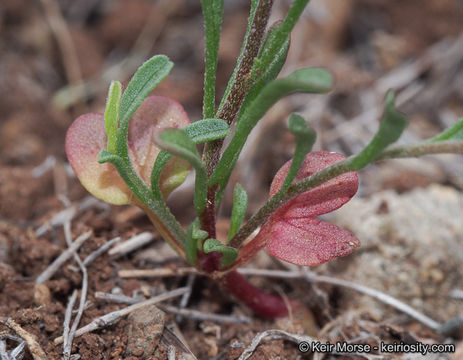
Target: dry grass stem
(202,316)
(155,273)
(60,260)
(83,295)
(34,347)
(132,244)
(115,316)
(100,251)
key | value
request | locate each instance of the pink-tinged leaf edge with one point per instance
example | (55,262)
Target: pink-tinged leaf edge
(86,137)
(293,234)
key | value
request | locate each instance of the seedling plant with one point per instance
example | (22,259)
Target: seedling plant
(144,146)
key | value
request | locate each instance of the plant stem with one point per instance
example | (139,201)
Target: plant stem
(330,172)
(260,302)
(233,102)
(240,85)
(157,211)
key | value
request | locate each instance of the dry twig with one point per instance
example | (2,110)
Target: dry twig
(202,316)
(193,314)
(65,42)
(273,334)
(186,297)
(34,347)
(101,250)
(60,260)
(67,319)
(115,316)
(67,348)
(134,243)
(153,273)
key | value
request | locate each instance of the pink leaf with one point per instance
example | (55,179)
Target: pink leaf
(327,197)
(309,241)
(293,234)
(86,137)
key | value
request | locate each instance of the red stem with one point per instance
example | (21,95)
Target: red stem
(260,302)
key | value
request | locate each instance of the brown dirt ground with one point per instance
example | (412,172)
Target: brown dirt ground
(32,126)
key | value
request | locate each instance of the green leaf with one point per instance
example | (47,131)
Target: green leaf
(178,143)
(111,114)
(161,160)
(213,13)
(190,246)
(194,236)
(305,138)
(455,132)
(240,204)
(147,77)
(229,254)
(107,156)
(277,38)
(309,80)
(207,130)
(199,132)
(268,75)
(393,123)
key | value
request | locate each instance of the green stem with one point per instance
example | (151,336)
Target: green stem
(213,13)
(331,172)
(159,213)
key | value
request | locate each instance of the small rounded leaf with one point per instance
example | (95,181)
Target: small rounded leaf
(309,241)
(324,198)
(293,232)
(86,137)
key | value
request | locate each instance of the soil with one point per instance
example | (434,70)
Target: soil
(360,42)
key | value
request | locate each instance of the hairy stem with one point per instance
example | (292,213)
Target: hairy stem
(241,84)
(234,100)
(330,172)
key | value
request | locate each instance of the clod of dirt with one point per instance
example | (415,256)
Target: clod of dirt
(412,251)
(144,330)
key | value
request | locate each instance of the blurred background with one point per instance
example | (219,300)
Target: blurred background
(58,56)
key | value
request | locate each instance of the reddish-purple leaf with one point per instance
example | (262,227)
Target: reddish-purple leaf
(86,137)
(293,234)
(327,197)
(309,241)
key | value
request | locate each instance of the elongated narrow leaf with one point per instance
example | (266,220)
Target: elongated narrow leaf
(178,143)
(194,238)
(207,130)
(240,204)
(163,182)
(106,156)
(147,77)
(393,123)
(305,138)
(229,254)
(111,114)
(277,38)
(455,132)
(309,80)
(213,13)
